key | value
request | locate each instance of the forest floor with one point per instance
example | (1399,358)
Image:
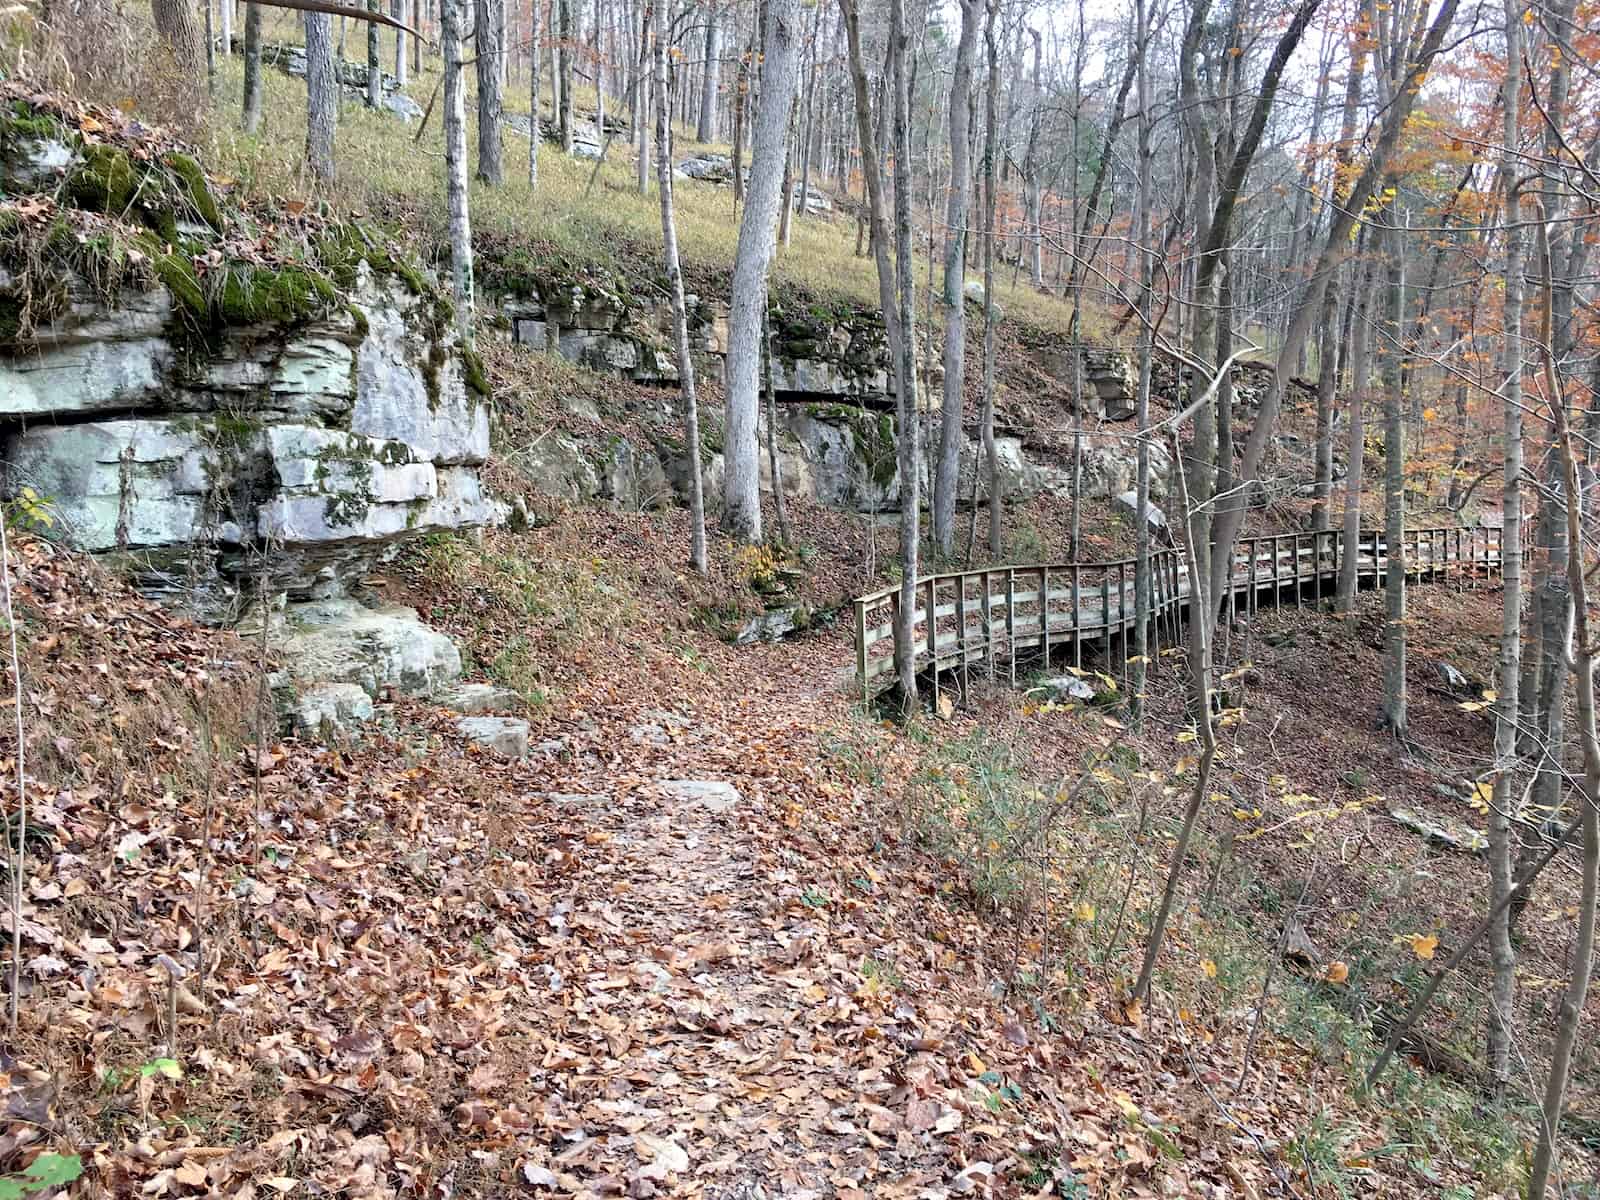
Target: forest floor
(724,934)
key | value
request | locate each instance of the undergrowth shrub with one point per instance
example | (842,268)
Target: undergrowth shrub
(108,53)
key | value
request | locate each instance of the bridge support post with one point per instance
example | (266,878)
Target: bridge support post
(1077,623)
(1011,620)
(988,624)
(861,652)
(1044,614)
(961,627)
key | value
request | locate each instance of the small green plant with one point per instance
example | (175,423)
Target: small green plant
(884,974)
(814,897)
(29,510)
(45,1173)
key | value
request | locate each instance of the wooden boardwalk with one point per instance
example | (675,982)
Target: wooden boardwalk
(966,618)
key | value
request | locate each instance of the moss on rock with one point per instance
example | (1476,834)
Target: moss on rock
(192,180)
(281,295)
(106,181)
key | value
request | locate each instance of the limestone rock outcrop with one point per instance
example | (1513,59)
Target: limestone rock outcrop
(223,423)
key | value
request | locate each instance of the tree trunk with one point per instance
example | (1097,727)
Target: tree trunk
(741,85)
(946,479)
(809,109)
(400,65)
(1572,1002)
(752,258)
(488,21)
(374,66)
(455,166)
(1141,235)
(641,109)
(991,133)
(774,468)
(786,208)
(680,312)
(535,61)
(1355,448)
(251,119)
(1327,362)
(872,172)
(1502,953)
(706,127)
(178,25)
(1033,193)
(909,440)
(322,95)
(1394,490)
(564,8)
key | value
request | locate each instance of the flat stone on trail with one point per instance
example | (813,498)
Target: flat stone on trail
(506,736)
(474,698)
(708,793)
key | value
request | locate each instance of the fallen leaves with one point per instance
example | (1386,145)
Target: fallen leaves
(1422,945)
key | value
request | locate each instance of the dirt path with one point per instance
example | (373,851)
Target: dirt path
(722,1044)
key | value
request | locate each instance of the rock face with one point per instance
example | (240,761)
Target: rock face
(815,355)
(306,451)
(291,60)
(278,424)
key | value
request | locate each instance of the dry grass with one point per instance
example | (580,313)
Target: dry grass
(611,229)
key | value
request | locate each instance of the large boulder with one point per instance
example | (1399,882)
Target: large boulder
(381,650)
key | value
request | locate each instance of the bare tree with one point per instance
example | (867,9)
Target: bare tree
(905,657)
(1502,953)
(680,314)
(455,166)
(706,127)
(400,69)
(565,56)
(535,61)
(1229,519)
(1582,958)
(322,95)
(991,134)
(1356,449)
(251,119)
(752,258)
(1394,487)
(947,473)
(374,66)
(908,425)
(178,25)
(488,17)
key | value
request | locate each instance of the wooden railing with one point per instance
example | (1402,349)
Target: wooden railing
(967,617)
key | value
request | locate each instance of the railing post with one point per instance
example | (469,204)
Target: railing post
(987,623)
(933,636)
(961,620)
(1011,620)
(861,651)
(1044,613)
(1295,553)
(1077,625)
(1105,608)
(1250,601)
(1123,620)
(1157,570)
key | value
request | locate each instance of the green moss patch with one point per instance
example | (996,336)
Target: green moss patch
(195,188)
